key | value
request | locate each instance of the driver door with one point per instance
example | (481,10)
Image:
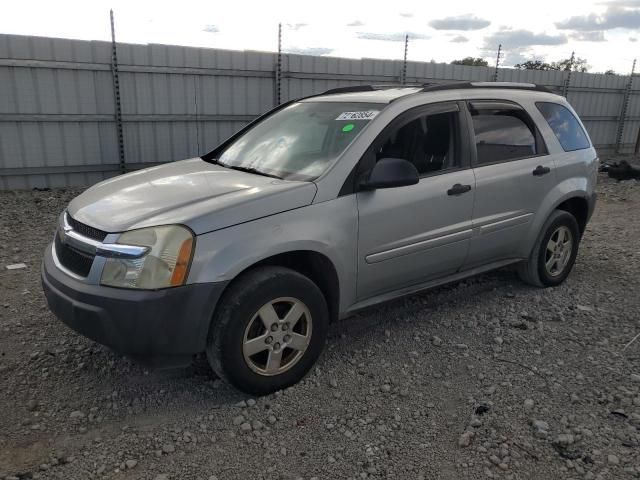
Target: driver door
(412,234)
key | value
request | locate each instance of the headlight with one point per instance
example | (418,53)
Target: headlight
(165,265)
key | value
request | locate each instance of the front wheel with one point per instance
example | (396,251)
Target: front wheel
(555,252)
(268,330)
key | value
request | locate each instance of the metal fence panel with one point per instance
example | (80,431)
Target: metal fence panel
(57,105)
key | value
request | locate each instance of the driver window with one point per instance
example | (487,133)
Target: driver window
(427,141)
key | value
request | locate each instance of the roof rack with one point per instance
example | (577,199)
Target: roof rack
(466,85)
(367,88)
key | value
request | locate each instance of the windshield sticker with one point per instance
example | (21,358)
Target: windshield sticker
(368,115)
(348,127)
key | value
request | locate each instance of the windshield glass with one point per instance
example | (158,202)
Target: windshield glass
(300,141)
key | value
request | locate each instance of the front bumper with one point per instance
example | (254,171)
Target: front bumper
(156,327)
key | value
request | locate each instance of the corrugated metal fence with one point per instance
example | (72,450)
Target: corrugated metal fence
(57,105)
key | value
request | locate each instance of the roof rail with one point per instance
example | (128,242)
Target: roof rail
(466,85)
(367,88)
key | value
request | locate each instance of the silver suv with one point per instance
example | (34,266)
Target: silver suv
(321,207)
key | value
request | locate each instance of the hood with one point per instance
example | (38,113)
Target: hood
(191,192)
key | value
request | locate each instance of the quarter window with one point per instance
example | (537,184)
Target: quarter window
(502,135)
(569,132)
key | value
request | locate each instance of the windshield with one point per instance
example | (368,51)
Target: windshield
(300,141)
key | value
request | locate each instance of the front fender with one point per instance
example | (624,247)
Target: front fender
(328,228)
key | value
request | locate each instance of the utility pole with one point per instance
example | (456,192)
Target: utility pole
(279,67)
(495,74)
(625,106)
(116,95)
(567,82)
(403,76)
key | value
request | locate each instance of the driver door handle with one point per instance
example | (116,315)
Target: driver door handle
(458,189)
(540,170)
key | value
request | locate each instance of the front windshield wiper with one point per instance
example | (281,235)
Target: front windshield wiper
(249,170)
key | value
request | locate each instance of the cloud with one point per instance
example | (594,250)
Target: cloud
(406,15)
(514,39)
(462,22)
(391,37)
(211,29)
(588,36)
(613,17)
(633,39)
(459,39)
(356,23)
(316,51)
(622,3)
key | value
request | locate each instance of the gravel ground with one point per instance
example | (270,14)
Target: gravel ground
(487,378)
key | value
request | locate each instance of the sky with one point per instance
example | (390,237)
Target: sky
(606,33)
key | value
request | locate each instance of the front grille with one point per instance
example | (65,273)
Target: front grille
(73,260)
(86,230)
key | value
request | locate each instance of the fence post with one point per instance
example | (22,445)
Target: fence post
(278,90)
(116,96)
(495,74)
(403,75)
(625,106)
(565,90)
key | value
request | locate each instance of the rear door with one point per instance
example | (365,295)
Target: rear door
(513,174)
(408,235)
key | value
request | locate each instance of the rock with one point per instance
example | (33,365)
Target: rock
(635,377)
(436,341)
(32,405)
(565,439)
(465,439)
(245,427)
(613,459)
(540,427)
(584,308)
(131,464)
(237,420)
(333,382)
(528,404)
(385,388)
(168,448)
(77,414)
(161,476)
(251,402)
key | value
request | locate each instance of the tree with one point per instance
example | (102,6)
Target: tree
(610,72)
(471,61)
(578,65)
(534,65)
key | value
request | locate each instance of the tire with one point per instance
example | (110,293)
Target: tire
(535,270)
(244,351)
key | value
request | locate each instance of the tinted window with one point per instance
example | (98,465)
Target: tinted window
(502,135)
(567,129)
(427,141)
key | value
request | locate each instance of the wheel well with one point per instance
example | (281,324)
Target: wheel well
(314,266)
(579,208)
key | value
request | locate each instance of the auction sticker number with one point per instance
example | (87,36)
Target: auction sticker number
(367,115)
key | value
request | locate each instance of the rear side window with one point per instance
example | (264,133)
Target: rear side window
(569,132)
(503,135)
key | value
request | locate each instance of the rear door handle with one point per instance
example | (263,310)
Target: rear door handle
(458,189)
(540,170)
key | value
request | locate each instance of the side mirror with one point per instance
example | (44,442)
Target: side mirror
(389,173)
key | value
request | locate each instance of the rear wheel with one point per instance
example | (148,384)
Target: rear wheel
(555,252)
(268,330)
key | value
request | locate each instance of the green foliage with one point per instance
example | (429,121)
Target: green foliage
(471,61)
(578,65)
